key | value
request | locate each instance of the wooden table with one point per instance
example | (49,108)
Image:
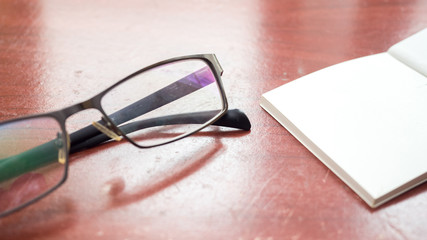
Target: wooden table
(258,185)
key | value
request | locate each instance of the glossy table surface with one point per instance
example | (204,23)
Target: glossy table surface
(221,184)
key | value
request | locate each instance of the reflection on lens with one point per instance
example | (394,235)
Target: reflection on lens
(29,163)
(165,102)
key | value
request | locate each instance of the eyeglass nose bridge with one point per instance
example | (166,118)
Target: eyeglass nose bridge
(93,103)
(88,104)
(104,125)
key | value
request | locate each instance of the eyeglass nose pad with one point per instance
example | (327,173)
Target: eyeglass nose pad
(59,143)
(107,131)
(61,156)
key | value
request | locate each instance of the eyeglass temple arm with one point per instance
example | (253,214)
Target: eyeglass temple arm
(47,153)
(232,118)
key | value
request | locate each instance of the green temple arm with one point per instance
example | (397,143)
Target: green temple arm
(29,160)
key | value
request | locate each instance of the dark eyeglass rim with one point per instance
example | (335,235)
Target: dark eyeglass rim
(95,102)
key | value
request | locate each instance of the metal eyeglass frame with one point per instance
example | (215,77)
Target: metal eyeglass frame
(95,134)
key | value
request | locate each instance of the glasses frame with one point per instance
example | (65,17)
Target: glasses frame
(95,103)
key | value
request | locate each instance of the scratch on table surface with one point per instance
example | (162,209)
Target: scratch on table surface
(288,215)
(396,230)
(271,199)
(326,176)
(258,194)
(260,238)
(285,77)
(296,237)
(277,195)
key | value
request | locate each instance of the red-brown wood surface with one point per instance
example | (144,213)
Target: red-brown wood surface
(261,184)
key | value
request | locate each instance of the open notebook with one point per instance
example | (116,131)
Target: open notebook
(365,119)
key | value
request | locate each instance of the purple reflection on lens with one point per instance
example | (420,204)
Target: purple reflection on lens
(199,79)
(172,92)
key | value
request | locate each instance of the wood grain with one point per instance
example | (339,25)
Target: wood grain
(221,184)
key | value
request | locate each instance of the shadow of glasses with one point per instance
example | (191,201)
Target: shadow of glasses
(39,221)
(183,167)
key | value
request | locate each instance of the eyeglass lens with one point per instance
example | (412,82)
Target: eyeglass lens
(165,102)
(32,160)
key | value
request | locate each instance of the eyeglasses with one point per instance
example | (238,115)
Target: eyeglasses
(156,105)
